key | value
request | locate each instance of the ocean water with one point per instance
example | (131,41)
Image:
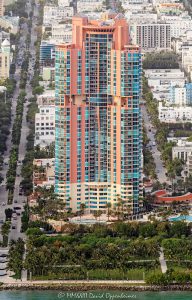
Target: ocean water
(110,295)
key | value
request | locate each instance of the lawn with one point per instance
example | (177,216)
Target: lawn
(99,274)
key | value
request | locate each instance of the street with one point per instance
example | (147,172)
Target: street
(160,169)
(18,199)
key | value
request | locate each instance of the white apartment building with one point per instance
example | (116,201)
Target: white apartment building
(43,172)
(45,125)
(89,5)
(170,8)
(1,8)
(48,74)
(7,2)
(10,23)
(61,33)
(47,98)
(179,24)
(142,18)
(170,114)
(186,52)
(177,45)
(176,139)
(5,59)
(161,92)
(152,36)
(56,14)
(155,2)
(160,77)
(189,163)
(178,95)
(182,150)
(63,2)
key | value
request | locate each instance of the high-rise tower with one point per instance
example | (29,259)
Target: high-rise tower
(98,120)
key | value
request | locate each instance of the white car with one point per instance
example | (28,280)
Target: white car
(3,272)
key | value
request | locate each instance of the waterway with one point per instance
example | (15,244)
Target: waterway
(105,295)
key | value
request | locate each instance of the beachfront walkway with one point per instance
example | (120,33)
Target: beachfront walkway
(19,283)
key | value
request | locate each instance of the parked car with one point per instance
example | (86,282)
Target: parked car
(3,273)
(16,208)
(3,255)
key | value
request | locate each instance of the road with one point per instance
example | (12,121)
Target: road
(160,169)
(18,199)
(3,191)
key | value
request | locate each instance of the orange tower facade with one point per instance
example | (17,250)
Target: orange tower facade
(98,120)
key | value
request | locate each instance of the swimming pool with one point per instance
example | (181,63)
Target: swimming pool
(181,218)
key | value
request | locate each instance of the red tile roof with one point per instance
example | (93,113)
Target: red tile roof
(161,196)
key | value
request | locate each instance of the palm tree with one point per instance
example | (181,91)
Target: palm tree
(82,209)
(118,205)
(129,210)
(118,210)
(108,206)
(122,202)
(5,228)
(99,213)
(185,213)
(95,214)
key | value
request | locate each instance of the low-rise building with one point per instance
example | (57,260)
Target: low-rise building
(163,199)
(186,52)
(182,150)
(48,73)
(5,59)
(62,33)
(43,172)
(181,95)
(89,5)
(170,8)
(189,164)
(1,8)
(177,45)
(179,24)
(171,114)
(45,126)
(47,53)
(10,23)
(164,78)
(176,139)
(145,17)
(7,2)
(47,98)
(63,3)
(54,13)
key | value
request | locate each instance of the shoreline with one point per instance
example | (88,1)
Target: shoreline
(88,286)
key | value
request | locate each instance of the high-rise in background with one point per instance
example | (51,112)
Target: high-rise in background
(98,152)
